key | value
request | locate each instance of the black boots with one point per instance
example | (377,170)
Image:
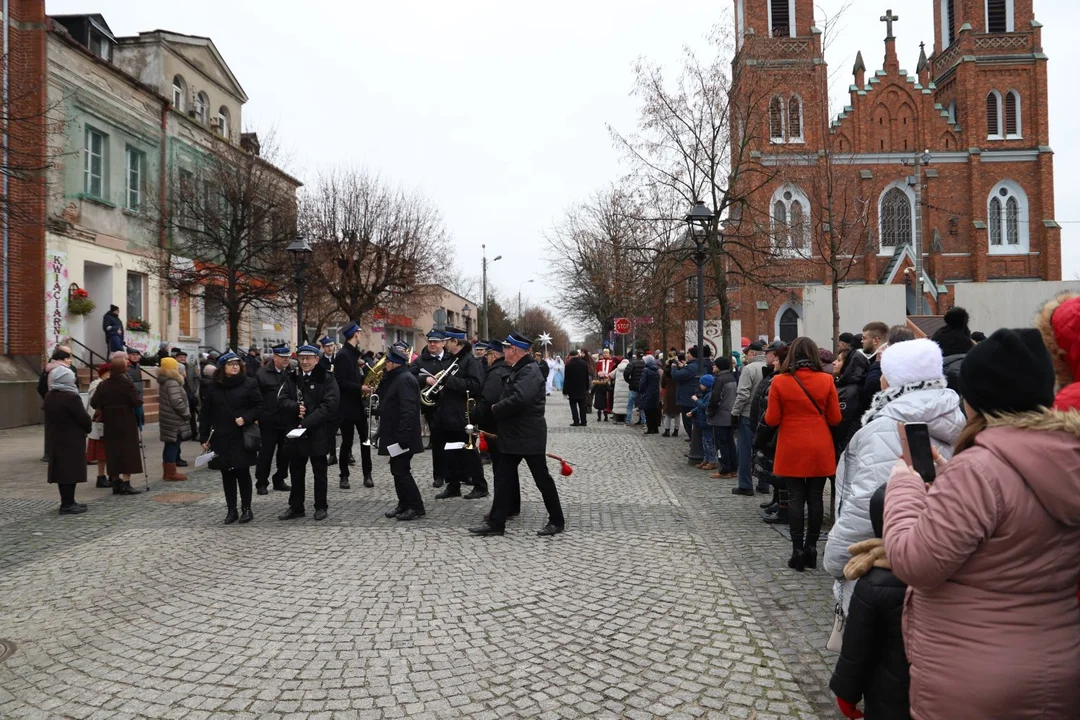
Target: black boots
(797,563)
(231,517)
(437,483)
(368,482)
(120,487)
(103,481)
(675,432)
(667,433)
(344,484)
(245,515)
(810,556)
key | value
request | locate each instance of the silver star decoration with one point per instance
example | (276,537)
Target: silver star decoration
(544,339)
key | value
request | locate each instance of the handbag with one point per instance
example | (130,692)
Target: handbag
(249,432)
(836,638)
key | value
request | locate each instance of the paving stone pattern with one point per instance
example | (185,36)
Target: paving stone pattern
(666,597)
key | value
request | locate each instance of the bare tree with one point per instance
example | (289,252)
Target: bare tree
(231,215)
(374,246)
(694,142)
(536,320)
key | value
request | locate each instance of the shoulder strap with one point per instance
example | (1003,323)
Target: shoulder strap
(812,400)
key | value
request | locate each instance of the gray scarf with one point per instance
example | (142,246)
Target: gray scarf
(62,378)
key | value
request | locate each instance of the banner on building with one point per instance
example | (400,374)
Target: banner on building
(712,334)
(56,299)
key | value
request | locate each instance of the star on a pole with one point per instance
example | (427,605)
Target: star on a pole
(544,339)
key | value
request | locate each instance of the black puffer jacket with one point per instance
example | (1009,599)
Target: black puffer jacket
(450,409)
(872,663)
(632,373)
(490,394)
(399,419)
(321,397)
(520,411)
(228,398)
(762,461)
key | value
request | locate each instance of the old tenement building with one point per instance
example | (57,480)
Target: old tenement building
(977,103)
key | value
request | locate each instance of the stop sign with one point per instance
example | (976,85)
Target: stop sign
(622,326)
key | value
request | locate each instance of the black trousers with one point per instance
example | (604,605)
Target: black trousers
(687,422)
(297,471)
(507,486)
(273,447)
(438,455)
(67,495)
(512,489)
(454,461)
(474,468)
(809,492)
(194,419)
(652,420)
(237,479)
(579,411)
(408,494)
(348,427)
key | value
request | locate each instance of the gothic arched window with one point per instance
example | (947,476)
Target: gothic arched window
(789,325)
(776,120)
(790,221)
(1012,115)
(993,115)
(896,219)
(795,119)
(1007,219)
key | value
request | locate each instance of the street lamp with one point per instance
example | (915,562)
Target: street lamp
(524,282)
(699,222)
(497,258)
(466,312)
(300,251)
(918,161)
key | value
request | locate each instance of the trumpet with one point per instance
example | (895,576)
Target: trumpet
(430,394)
(470,429)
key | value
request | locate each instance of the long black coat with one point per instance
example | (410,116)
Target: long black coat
(112,325)
(269,380)
(872,662)
(350,382)
(399,411)
(520,412)
(227,399)
(450,410)
(491,393)
(321,397)
(649,387)
(576,379)
(66,428)
(117,399)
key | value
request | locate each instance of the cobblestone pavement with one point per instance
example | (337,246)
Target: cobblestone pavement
(666,597)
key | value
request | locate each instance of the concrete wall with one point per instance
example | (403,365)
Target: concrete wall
(859,305)
(1014,304)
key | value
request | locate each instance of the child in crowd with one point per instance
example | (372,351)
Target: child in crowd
(700,414)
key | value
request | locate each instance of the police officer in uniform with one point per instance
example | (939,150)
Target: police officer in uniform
(449,418)
(399,428)
(352,413)
(522,436)
(433,359)
(491,393)
(309,399)
(272,423)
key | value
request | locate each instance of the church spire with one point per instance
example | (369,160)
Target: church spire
(859,71)
(923,69)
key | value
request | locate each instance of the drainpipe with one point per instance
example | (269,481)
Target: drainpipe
(162,236)
(7,196)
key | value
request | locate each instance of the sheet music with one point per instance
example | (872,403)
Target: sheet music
(396,450)
(204,458)
(295,433)
(454,446)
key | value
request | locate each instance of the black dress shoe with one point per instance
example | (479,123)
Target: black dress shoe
(575,424)
(352,459)
(282,486)
(331,460)
(476,494)
(486,529)
(344,484)
(231,517)
(410,514)
(261,490)
(291,514)
(368,482)
(437,483)
(245,515)
(764,489)
(768,504)
(126,489)
(550,529)
(777,518)
(448,493)
(103,481)
(73,510)
(320,515)
(393,513)
(742,491)
(180,462)
(770,508)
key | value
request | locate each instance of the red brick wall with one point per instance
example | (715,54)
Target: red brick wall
(27,196)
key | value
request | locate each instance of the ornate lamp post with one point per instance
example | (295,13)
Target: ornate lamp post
(300,251)
(699,222)
(466,312)
(484,329)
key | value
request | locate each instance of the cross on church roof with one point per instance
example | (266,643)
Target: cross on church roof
(888,18)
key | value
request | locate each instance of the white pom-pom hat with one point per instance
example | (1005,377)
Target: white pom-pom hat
(911,362)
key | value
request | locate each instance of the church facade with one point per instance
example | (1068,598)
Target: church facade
(928,179)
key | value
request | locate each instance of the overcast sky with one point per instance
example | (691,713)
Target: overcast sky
(497,109)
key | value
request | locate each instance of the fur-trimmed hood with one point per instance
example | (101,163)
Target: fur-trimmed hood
(1062,335)
(164,374)
(1044,448)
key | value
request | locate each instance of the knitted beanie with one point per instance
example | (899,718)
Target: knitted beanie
(1009,372)
(912,361)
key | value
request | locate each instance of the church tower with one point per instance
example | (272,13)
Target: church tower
(780,75)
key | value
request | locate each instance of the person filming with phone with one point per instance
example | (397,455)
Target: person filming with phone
(991,549)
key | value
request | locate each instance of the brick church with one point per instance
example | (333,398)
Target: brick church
(967,132)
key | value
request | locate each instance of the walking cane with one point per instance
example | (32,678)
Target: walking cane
(142,446)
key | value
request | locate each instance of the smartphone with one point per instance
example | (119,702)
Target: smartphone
(920,450)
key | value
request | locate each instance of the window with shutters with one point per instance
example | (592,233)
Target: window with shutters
(897,213)
(780,17)
(1007,219)
(1012,115)
(948,22)
(993,116)
(999,16)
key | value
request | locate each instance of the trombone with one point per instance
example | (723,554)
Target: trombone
(372,379)
(430,394)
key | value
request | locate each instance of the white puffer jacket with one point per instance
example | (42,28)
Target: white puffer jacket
(621,389)
(869,459)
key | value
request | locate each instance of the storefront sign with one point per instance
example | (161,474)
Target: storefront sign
(56,299)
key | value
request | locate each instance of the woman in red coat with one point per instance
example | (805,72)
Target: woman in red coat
(803,405)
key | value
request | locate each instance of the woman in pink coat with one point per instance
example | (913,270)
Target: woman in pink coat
(991,551)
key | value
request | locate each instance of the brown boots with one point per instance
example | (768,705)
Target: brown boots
(170,472)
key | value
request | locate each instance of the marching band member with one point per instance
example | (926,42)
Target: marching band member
(272,424)
(522,436)
(326,359)
(309,399)
(433,360)
(352,413)
(399,430)
(450,413)
(491,393)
